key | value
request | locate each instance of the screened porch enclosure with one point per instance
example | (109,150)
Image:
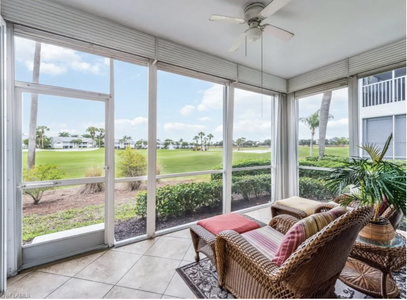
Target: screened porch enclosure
(139,136)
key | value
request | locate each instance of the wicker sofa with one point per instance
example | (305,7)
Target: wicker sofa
(310,272)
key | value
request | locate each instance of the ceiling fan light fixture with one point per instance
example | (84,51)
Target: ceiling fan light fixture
(253,34)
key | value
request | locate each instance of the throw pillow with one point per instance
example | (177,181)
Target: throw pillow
(303,230)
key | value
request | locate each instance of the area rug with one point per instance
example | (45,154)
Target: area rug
(202,279)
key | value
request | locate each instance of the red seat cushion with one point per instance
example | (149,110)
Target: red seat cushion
(230,221)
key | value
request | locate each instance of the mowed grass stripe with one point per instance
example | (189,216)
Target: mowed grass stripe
(74,163)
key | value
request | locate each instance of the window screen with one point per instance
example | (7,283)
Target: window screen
(376,131)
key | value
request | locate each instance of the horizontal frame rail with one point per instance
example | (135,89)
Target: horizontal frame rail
(27,87)
(315,168)
(63,182)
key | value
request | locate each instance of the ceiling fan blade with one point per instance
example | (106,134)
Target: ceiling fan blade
(274,6)
(236,44)
(227,19)
(277,32)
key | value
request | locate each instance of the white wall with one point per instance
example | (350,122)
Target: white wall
(396,108)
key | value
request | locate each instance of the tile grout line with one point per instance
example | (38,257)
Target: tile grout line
(57,287)
(169,282)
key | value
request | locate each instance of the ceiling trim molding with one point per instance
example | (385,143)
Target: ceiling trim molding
(365,62)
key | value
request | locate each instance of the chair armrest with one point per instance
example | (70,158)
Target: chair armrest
(324,207)
(277,209)
(231,245)
(283,223)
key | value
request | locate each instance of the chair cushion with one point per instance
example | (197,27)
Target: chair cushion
(306,205)
(266,239)
(303,230)
(230,221)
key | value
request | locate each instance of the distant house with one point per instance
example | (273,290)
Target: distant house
(66,143)
(119,144)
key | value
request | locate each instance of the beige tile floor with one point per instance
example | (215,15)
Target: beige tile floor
(143,270)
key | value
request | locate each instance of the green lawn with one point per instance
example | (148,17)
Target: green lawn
(171,161)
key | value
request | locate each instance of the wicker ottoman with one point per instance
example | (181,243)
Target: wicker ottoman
(295,206)
(204,241)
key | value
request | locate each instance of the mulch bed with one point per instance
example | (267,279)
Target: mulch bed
(134,227)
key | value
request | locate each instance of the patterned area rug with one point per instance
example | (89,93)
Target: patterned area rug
(202,279)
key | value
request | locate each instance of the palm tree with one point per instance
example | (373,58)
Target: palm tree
(206,143)
(64,134)
(312,122)
(92,131)
(196,138)
(42,130)
(324,116)
(101,134)
(34,108)
(210,136)
(201,135)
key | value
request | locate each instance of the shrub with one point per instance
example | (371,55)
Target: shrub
(312,188)
(242,164)
(132,163)
(92,188)
(249,186)
(41,173)
(182,198)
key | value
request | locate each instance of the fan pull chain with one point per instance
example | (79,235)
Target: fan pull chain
(261,73)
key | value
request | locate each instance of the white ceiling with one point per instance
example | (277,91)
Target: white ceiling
(325,30)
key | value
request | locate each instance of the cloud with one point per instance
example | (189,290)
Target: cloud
(182,127)
(251,125)
(187,110)
(205,119)
(219,129)
(212,98)
(130,124)
(57,60)
(341,123)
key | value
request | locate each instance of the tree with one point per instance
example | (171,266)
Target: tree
(41,130)
(168,142)
(196,138)
(64,134)
(139,143)
(34,108)
(86,136)
(101,135)
(74,135)
(324,116)
(267,142)
(76,141)
(201,135)
(181,142)
(41,173)
(210,137)
(240,142)
(92,131)
(145,143)
(206,143)
(132,163)
(312,122)
(185,145)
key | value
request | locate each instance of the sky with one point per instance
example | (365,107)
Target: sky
(186,106)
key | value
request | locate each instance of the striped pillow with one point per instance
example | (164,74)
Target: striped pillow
(303,230)
(266,239)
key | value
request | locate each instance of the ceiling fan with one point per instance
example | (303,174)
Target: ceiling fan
(254,14)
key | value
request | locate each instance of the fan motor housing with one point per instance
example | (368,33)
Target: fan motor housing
(252,11)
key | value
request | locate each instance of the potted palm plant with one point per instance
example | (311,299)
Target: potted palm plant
(375,182)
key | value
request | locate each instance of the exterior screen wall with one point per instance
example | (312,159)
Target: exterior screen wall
(376,131)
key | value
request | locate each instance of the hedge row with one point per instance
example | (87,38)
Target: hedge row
(184,198)
(312,188)
(242,164)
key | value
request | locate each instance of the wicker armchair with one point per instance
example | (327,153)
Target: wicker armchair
(310,272)
(393,215)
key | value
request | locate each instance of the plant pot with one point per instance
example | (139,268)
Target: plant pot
(380,231)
